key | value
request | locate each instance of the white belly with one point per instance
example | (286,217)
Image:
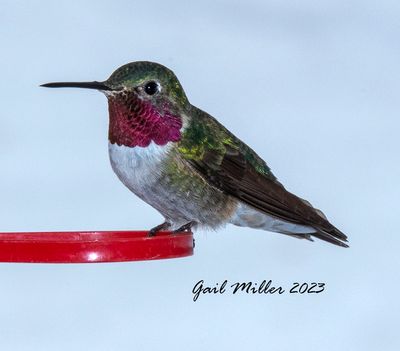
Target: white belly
(142,171)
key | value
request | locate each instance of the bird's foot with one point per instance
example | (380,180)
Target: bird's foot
(185,228)
(158,228)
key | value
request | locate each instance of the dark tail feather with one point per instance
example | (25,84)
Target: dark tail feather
(333,236)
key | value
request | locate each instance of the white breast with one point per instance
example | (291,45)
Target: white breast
(137,167)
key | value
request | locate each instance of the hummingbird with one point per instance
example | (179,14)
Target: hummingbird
(188,166)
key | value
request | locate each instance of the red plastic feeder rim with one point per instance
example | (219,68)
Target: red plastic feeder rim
(90,247)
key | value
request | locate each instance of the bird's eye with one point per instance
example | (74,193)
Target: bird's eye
(151,88)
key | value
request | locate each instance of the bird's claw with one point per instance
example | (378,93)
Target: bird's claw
(158,228)
(185,228)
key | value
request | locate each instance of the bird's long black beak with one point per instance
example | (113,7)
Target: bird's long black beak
(85,85)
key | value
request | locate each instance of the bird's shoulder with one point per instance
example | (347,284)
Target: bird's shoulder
(208,142)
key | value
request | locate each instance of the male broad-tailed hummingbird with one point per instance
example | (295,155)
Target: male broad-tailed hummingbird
(188,166)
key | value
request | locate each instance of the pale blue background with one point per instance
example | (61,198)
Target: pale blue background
(313,86)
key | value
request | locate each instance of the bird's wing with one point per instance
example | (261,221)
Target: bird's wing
(233,167)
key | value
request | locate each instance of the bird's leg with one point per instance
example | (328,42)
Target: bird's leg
(185,228)
(158,228)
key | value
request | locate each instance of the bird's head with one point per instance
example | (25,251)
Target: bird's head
(146,103)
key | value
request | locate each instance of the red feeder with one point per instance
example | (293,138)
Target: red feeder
(89,247)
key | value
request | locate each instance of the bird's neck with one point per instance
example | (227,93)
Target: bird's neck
(137,122)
